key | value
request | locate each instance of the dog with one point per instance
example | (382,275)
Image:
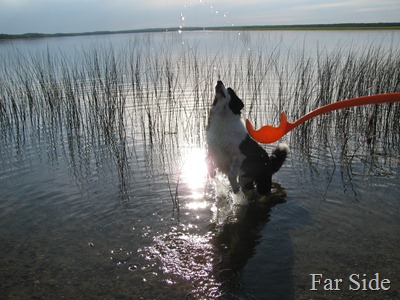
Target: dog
(233,152)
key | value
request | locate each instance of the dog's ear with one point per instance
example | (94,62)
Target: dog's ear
(235,104)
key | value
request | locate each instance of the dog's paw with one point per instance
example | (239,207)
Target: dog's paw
(235,187)
(212,173)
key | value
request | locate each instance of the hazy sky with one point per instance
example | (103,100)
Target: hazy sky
(53,16)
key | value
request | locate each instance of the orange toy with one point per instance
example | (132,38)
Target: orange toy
(269,134)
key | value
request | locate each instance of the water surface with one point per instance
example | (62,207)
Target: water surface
(98,204)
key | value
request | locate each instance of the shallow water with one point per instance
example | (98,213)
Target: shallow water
(132,214)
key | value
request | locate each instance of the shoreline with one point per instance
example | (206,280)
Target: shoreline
(340,26)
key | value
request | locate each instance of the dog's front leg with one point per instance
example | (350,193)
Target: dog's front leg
(210,166)
(233,174)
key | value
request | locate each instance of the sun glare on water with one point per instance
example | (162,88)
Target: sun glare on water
(194,176)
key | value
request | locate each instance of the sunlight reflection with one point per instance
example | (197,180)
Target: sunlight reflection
(196,205)
(188,256)
(194,176)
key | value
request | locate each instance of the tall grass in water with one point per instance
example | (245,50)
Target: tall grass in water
(343,75)
(160,96)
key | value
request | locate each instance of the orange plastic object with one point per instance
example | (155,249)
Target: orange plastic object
(269,134)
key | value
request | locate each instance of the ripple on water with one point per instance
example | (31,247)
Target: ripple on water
(134,267)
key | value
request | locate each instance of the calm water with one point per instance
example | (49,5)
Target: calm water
(126,211)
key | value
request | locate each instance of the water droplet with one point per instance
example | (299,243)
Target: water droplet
(149,276)
(116,250)
(133,267)
(121,262)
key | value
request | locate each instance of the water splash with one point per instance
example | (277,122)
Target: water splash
(222,15)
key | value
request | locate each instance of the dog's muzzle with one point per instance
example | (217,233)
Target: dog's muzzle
(219,88)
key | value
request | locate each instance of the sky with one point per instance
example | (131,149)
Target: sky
(70,16)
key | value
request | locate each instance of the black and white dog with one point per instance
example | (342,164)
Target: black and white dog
(233,152)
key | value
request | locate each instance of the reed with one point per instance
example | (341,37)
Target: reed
(156,94)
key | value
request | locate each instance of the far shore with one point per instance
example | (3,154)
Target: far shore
(341,26)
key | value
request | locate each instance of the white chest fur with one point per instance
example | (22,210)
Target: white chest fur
(225,132)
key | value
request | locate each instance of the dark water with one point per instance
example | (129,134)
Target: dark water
(131,214)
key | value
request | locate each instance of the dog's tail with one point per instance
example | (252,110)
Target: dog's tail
(278,157)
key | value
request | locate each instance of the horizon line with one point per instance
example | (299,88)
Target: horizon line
(333,26)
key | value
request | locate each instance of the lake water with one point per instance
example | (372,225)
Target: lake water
(104,192)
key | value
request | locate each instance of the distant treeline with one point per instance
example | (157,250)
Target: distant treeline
(341,26)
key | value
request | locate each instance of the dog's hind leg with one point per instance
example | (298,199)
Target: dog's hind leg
(264,185)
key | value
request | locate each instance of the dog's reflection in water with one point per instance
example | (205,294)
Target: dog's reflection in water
(213,262)
(237,232)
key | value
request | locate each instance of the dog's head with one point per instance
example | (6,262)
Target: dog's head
(227,95)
